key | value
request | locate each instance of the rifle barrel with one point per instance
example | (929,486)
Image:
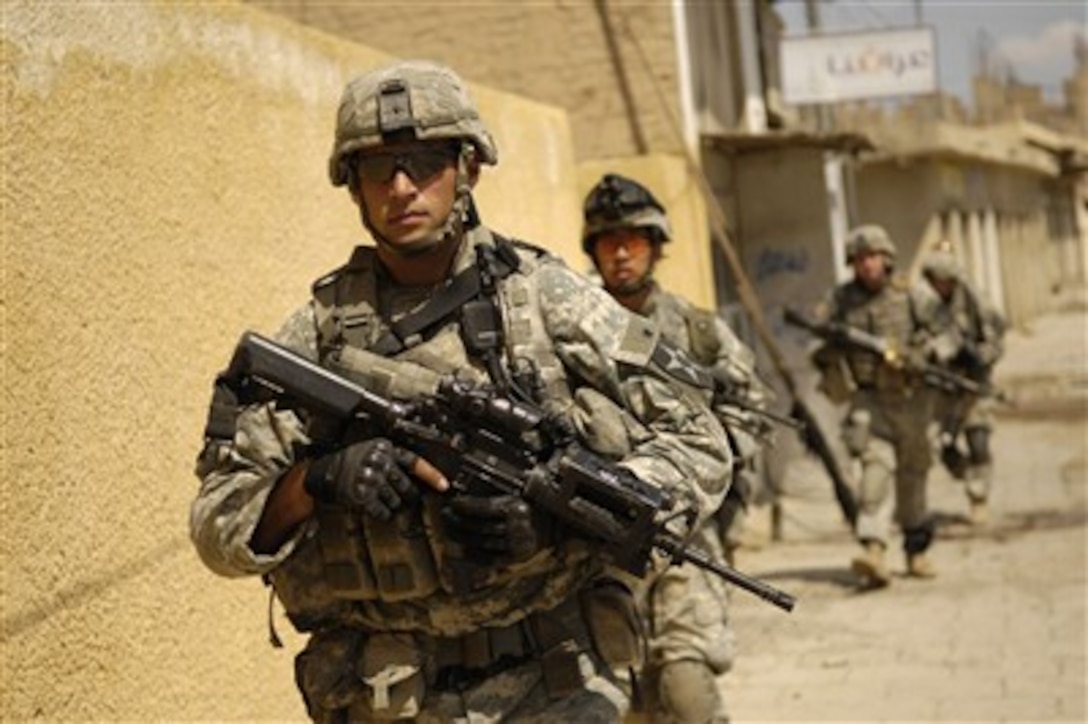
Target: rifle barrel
(702,559)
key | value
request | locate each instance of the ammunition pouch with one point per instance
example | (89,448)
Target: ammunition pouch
(325,672)
(387,560)
(602,619)
(836,380)
(391,667)
(369,676)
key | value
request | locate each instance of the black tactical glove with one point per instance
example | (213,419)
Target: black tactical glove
(368,476)
(499,529)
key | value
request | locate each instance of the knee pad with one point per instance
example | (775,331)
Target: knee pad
(688,692)
(954,460)
(978,445)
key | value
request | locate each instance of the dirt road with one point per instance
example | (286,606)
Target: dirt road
(1000,635)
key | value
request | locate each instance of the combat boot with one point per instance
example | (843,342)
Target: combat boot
(870,568)
(919,566)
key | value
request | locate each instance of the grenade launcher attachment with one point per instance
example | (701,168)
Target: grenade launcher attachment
(485,442)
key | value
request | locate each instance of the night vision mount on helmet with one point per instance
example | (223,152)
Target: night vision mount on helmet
(418,98)
(617,202)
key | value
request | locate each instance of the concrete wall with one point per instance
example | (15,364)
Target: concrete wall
(164,189)
(611,65)
(687,267)
(778,203)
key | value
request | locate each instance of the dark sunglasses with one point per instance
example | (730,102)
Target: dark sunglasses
(419,164)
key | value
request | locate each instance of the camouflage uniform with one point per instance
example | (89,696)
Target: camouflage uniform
(885,426)
(711,343)
(528,641)
(967,334)
(687,607)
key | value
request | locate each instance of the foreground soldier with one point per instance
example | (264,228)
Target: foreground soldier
(889,407)
(355,541)
(691,643)
(967,338)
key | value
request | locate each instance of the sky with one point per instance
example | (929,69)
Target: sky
(1033,38)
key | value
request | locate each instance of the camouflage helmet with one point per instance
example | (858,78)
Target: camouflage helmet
(617,202)
(869,238)
(941,265)
(420,97)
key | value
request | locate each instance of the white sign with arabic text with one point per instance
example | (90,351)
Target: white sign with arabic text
(852,66)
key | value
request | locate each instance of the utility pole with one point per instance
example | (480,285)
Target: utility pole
(814,24)
(812,15)
(833,166)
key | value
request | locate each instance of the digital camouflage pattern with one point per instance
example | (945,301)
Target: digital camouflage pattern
(438,106)
(714,345)
(598,345)
(688,607)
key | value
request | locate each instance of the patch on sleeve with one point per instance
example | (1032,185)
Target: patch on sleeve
(639,339)
(677,364)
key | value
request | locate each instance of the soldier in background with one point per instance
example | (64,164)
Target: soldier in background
(889,407)
(359,543)
(967,334)
(690,639)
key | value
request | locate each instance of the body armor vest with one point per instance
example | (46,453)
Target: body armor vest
(408,557)
(888,313)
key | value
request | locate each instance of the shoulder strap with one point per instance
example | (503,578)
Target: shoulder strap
(345,307)
(492,265)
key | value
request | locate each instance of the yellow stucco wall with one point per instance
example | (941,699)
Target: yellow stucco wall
(163,190)
(687,268)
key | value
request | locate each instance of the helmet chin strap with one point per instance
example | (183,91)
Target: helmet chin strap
(449,233)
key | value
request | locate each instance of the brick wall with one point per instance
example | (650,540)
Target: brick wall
(554,52)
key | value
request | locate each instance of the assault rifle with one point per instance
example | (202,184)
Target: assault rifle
(839,334)
(488,443)
(725,394)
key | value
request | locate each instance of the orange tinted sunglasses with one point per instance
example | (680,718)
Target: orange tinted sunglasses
(633,242)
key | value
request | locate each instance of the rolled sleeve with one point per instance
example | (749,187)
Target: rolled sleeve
(236,480)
